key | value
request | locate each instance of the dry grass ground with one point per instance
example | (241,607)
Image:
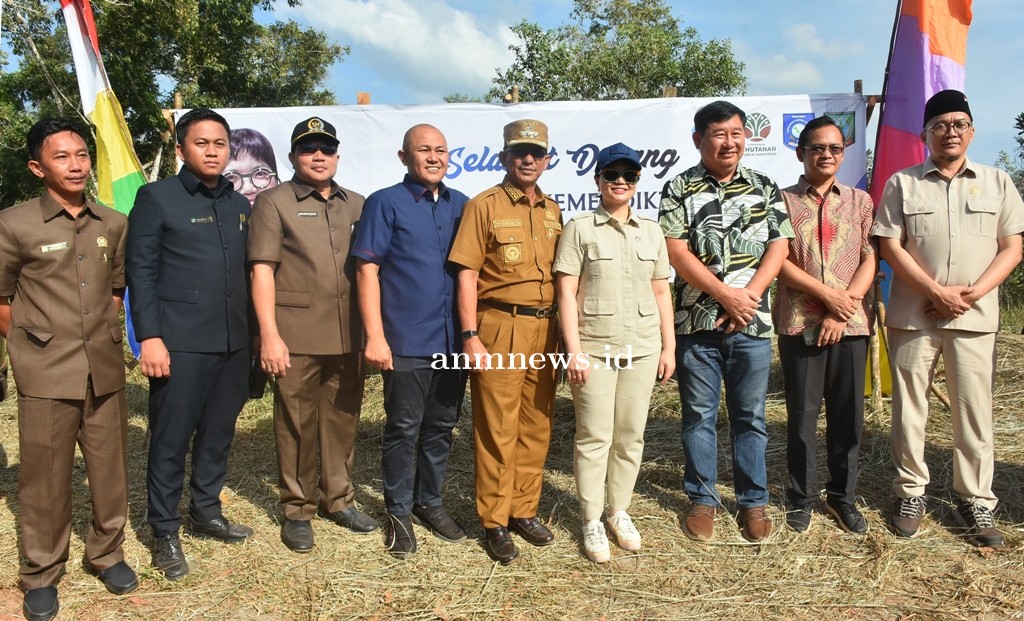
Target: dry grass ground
(822,574)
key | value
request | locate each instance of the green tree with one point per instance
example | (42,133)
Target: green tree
(1011,292)
(617,49)
(210,52)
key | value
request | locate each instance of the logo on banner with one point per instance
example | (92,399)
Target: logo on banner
(792,125)
(847,122)
(757,129)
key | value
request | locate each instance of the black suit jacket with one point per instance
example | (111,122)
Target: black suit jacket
(186,264)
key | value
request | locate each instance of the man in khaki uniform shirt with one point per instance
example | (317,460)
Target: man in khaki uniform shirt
(506,247)
(311,333)
(950,229)
(62,260)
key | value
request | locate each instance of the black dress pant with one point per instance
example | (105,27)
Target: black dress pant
(198,405)
(836,374)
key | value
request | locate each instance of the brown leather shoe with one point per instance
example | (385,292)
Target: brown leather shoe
(500,546)
(699,524)
(532,530)
(757,526)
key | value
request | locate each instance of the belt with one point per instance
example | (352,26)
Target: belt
(541,312)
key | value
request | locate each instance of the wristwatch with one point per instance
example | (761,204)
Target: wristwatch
(468,334)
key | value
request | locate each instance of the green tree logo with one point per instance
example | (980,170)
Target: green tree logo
(757,127)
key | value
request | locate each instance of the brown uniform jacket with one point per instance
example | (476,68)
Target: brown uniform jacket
(63,273)
(309,238)
(511,243)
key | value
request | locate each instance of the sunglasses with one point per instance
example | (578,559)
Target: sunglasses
(309,148)
(629,176)
(522,150)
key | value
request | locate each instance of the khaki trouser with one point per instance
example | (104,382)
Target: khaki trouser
(512,411)
(969,359)
(611,415)
(48,431)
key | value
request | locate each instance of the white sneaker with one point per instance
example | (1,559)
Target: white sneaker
(625,533)
(595,541)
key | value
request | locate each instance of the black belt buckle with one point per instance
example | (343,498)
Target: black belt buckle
(544,313)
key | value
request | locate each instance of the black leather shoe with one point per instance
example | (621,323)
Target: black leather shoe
(41,604)
(439,522)
(168,557)
(500,546)
(532,530)
(400,540)
(297,535)
(352,519)
(119,578)
(218,528)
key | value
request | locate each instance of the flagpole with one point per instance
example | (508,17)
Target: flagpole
(885,82)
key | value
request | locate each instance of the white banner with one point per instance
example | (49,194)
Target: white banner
(661,129)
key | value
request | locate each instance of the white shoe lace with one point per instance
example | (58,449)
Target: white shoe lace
(622,526)
(911,507)
(982,516)
(594,537)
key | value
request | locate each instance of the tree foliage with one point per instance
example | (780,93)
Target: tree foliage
(211,52)
(1011,292)
(617,49)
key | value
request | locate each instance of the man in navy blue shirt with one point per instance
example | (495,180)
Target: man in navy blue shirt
(406,293)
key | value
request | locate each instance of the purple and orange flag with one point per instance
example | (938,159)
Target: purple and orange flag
(927,56)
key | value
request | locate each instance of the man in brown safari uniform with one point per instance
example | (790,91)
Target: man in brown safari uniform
(506,303)
(62,260)
(311,333)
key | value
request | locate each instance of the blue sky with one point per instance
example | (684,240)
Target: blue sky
(417,51)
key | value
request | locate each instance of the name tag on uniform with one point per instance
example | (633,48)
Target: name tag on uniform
(54,247)
(307,214)
(507,224)
(206,220)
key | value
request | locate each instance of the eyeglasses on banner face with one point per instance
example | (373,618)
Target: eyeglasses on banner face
(959,128)
(629,176)
(260,178)
(819,149)
(309,148)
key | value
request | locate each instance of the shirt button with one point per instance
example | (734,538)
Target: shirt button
(336,251)
(86,312)
(225,247)
(229,295)
(81,257)
(332,229)
(84,285)
(88,338)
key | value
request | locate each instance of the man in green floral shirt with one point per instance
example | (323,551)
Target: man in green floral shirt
(727,235)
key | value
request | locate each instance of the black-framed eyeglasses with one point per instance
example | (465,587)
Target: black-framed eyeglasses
(959,127)
(612,175)
(819,149)
(259,178)
(309,148)
(522,150)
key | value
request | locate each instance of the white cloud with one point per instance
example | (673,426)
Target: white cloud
(427,46)
(803,38)
(778,74)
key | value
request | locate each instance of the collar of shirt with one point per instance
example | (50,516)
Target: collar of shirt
(51,208)
(965,168)
(303,190)
(804,187)
(517,196)
(741,174)
(601,216)
(418,190)
(193,184)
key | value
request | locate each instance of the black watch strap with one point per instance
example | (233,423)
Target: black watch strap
(468,334)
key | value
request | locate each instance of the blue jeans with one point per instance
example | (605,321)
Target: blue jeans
(704,360)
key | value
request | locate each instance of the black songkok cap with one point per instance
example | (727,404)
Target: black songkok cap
(944,102)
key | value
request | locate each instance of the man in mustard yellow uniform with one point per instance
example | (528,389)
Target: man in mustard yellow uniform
(505,248)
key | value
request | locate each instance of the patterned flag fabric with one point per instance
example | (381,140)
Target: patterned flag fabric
(927,56)
(118,171)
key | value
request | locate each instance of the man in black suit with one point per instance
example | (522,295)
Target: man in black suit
(187,288)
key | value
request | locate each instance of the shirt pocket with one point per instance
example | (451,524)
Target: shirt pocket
(982,217)
(921,218)
(298,299)
(598,317)
(601,261)
(510,246)
(647,259)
